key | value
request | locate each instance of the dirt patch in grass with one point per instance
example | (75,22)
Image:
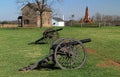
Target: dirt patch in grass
(106,62)
(102,64)
(109,63)
(114,63)
(90,50)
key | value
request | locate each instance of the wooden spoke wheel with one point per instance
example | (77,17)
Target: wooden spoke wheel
(70,54)
(50,36)
(52,50)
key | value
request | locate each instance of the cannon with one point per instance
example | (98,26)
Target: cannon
(49,35)
(64,53)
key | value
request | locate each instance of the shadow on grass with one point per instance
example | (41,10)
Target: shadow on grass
(39,43)
(48,67)
(45,67)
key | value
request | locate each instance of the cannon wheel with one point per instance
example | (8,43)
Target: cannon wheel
(50,36)
(56,43)
(69,56)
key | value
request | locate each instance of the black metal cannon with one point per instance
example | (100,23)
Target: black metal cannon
(64,53)
(49,35)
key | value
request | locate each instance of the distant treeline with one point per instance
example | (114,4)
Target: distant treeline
(8,22)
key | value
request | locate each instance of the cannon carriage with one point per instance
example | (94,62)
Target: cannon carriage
(49,36)
(64,53)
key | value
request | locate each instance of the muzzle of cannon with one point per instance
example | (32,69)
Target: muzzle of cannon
(49,35)
(64,53)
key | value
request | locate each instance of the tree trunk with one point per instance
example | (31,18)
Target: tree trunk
(41,20)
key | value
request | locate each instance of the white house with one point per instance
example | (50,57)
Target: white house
(57,22)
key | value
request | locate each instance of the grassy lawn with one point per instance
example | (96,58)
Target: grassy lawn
(103,56)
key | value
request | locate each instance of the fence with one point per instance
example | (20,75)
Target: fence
(8,25)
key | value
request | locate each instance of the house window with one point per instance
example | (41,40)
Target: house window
(54,23)
(26,21)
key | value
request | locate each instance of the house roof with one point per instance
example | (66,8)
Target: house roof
(19,17)
(58,19)
(35,7)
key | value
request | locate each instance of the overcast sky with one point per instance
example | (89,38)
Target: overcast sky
(9,9)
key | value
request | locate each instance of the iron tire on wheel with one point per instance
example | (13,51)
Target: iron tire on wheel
(69,55)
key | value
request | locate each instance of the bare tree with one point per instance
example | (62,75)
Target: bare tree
(98,17)
(72,19)
(41,6)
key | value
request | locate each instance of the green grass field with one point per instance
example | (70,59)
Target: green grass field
(103,56)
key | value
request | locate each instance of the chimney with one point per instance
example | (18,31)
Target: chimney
(63,17)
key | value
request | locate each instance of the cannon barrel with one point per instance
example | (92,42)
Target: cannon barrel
(85,40)
(71,43)
(58,29)
(55,30)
